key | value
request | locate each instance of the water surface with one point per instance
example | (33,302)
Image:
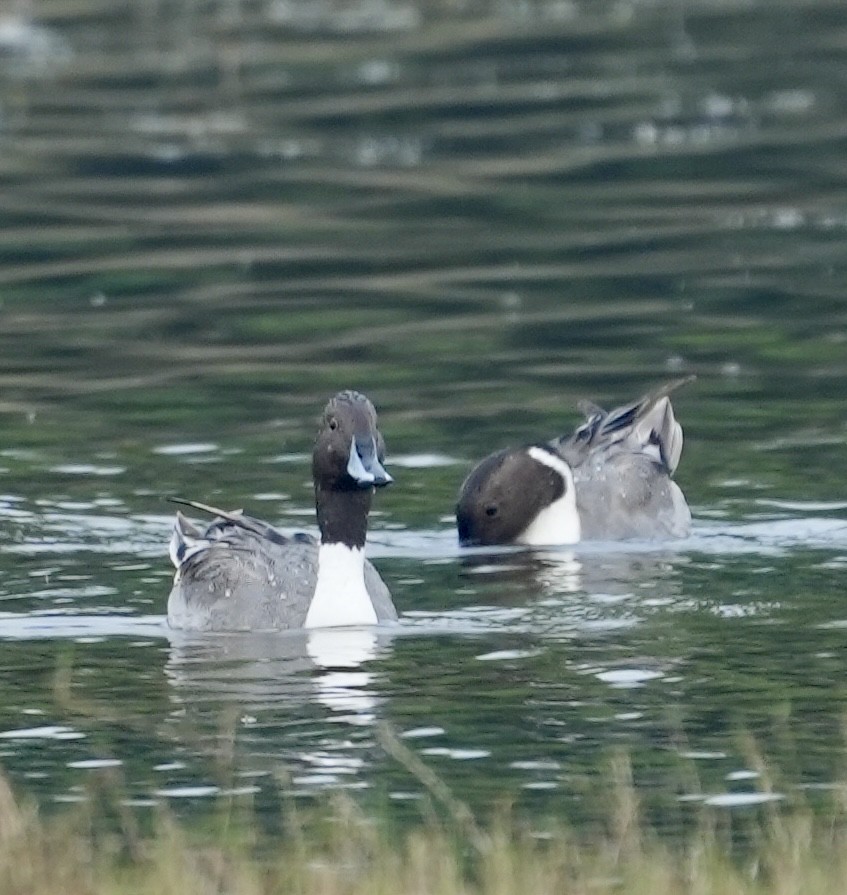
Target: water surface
(213,220)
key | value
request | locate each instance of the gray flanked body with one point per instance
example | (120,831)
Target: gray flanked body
(611,479)
(241,574)
(243,580)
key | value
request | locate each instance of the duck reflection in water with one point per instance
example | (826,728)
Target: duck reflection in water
(328,665)
(303,704)
(556,576)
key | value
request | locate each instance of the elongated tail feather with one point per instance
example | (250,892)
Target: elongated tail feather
(237,518)
(648,422)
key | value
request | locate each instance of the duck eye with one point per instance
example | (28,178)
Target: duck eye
(333,423)
(491,510)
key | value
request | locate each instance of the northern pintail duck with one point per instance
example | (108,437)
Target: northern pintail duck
(608,480)
(242,574)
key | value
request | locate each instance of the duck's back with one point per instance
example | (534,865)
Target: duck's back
(233,578)
(628,496)
(622,462)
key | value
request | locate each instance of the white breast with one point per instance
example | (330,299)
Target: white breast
(557,523)
(341,597)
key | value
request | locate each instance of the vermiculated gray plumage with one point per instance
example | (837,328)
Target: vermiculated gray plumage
(621,462)
(241,574)
(247,576)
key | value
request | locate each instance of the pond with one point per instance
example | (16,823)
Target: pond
(215,215)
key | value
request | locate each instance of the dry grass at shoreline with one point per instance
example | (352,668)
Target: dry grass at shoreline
(789,854)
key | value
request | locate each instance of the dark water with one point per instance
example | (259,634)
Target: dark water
(215,215)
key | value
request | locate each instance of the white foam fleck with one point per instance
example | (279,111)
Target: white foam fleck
(804,506)
(505,654)
(417,732)
(628,677)
(87,469)
(186,792)
(424,461)
(48,732)
(742,799)
(177,450)
(289,458)
(742,775)
(458,754)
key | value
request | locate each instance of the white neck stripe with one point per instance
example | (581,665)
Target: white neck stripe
(552,461)
(559,522)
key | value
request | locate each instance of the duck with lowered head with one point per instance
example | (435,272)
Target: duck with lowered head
(610,479)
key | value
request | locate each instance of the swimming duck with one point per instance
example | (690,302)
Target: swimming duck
(608,480)
(240,573)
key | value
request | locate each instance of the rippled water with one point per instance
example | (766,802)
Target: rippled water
(214,219)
